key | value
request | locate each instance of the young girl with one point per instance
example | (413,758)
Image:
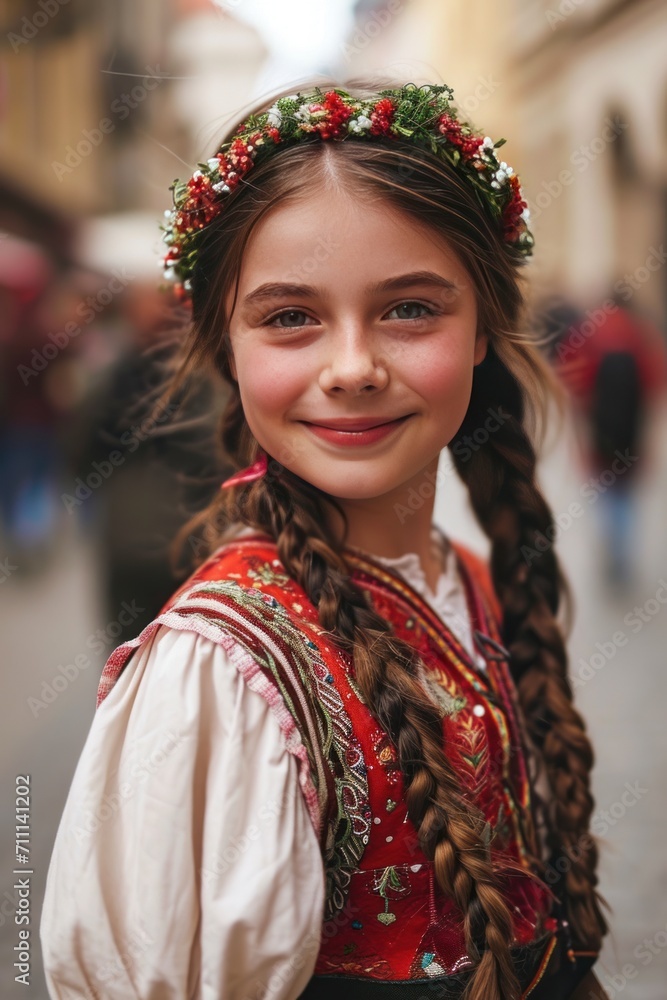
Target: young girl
(345,756)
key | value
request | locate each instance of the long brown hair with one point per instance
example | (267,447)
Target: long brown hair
(500,476)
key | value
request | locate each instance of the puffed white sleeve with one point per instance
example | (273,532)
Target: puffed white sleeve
(185,865)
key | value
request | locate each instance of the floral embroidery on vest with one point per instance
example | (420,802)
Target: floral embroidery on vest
(392,921)
(333,744)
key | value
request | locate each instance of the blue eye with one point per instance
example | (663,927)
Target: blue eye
(299,313)
(420,305)
(286,312)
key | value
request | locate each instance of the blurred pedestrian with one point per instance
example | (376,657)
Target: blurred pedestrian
(30,460)
(136,480)
(615,365)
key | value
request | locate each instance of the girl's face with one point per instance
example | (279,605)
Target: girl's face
(348,310)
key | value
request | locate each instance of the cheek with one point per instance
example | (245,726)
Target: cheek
(442,377)
(268,384)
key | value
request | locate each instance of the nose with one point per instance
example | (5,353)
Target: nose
(355,363)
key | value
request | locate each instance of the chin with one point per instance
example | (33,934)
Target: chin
(353,485)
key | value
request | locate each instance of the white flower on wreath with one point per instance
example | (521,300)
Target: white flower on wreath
(501,174)
(275,116)
(303,114)
(359,124)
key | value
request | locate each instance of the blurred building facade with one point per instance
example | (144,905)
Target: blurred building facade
(215,59)
(79,80)
(591,86)
(102,104)
(103,100)
(580,90)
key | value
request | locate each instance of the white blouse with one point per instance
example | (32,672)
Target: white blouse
(185,864)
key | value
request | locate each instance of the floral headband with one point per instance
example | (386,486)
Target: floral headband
(424,115)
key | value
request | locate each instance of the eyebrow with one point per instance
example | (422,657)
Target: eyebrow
(274,289)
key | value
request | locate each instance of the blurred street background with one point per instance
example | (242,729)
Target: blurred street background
(102,104)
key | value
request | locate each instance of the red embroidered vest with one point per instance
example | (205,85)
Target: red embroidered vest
(386,918)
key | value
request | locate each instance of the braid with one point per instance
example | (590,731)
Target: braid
(500,477)
(450,828)
(510,508)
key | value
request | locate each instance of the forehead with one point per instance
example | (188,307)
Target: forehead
(327,236)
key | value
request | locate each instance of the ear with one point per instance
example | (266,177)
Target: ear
(481,345)
(232,367)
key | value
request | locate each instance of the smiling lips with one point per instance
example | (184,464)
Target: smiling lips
(355,430)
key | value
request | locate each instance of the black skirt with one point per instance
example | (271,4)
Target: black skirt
(559,980)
